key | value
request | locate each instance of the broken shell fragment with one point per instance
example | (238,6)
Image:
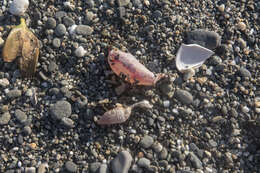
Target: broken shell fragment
(191,56)
(130,69)
(120,114)
(22,43)
(18,7)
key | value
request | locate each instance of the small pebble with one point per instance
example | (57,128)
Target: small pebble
(60,30)
(20,116)
(80,52)
(50,23)
(56,42)
(147,141)
(241,26)
(184,97)
(94,167)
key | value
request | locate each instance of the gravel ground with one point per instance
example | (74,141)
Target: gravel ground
(205,123)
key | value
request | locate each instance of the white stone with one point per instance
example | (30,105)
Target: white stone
(80,51)
(166,103)
(18,7)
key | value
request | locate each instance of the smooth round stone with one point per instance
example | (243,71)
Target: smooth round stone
(52,66)
(80,52)
(5,118)
(184,96)
(84,30)
(163,154)
(56,42)
(71,166)
(157,147)
(60,30)
(18,7)
(60,109)
(166,103)
(20,116)
(147,141)
(122,162)
(144,162)
(89,16)
(242,43)
(50,23)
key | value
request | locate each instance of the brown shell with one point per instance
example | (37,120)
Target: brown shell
(22,43)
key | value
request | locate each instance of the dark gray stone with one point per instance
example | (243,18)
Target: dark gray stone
(208,39)
(184,96)
(50,23)
(60,109)
(195,161)
(122,162)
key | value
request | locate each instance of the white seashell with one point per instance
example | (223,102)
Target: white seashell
(72,29)
(18,7)
(191,56)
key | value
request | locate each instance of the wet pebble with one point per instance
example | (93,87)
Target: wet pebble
(147,141)
(71,166)
(68,21)
(27,130)
(163,154)
(122,162)
(241,26)
(184,96)
(208,39)
(5,118)
(60,109)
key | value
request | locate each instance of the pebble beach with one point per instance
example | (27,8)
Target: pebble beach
(206,120)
